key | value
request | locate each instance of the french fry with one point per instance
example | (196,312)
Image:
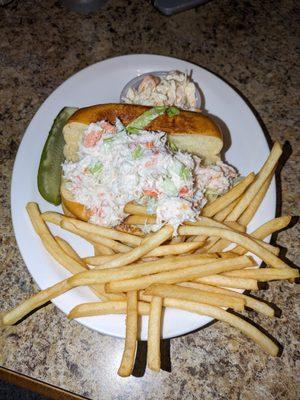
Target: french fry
(223,214)
(265,274)
(68,249)
(250,302)
(105,307)
(35,301)
(140,220)
(96,239)
(174,249)
(136,209)
(235,237)
(60,255)
(199,296)
(229,282)
(141,269)
(99,289)
(254,188)
(59,219)
(250,211)
(210,241)
(246,217)
(217,246)
(223,201)
(53,217)
(133,230)
(265,230)
(103,250)
(227,254)
(109,233)
(218,313)
(154,333)
(164,250)
(98,277)
(126,258)
(49,242)
(181,275)
(128,357)
(205,221)
(177,239)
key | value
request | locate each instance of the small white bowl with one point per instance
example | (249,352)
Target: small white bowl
(135,82)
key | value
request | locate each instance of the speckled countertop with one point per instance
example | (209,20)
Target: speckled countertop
(253,46)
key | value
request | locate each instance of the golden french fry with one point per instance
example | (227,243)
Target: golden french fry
(177,239)
(181,275)
(140,269)
(68,249)
(40,298)
(227,254)
(59,219)
(253,206)
(105,307)
(96,239)
(254,188)
(247,215)
(61,256)
(249,330)
(223,214)
(265,230)
(230,282)
(109,233)
(134,254)
(219,245)
(265,274)
(140,220)
(99,249)
(250,302)
(49,242)
(223,201)
(99,277)
(235,237)
(53,217)
(154,333)
(133,230)
(135,209)
(164,250)
(127,362)
(205,221)
(199,296)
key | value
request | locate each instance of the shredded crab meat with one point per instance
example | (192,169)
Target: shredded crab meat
(116,167)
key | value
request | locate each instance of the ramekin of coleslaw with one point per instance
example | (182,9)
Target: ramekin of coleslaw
(163,88)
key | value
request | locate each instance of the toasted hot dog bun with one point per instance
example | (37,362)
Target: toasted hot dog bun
(189,131)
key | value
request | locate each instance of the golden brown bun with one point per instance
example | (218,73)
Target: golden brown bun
(189,131)
(186,121)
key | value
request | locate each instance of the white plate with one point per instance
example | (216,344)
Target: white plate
(102,83)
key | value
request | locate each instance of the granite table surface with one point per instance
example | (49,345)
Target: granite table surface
(252,44)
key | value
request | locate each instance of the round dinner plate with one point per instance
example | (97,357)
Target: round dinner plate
(102,83)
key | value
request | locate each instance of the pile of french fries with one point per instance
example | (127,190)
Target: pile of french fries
(140,274)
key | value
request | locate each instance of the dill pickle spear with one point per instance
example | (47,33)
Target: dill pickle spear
(49,174)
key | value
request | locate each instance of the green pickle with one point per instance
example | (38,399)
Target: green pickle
(50,168)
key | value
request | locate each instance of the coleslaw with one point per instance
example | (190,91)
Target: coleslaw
(174,88)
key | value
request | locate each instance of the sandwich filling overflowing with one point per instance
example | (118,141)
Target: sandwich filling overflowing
(116,167)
